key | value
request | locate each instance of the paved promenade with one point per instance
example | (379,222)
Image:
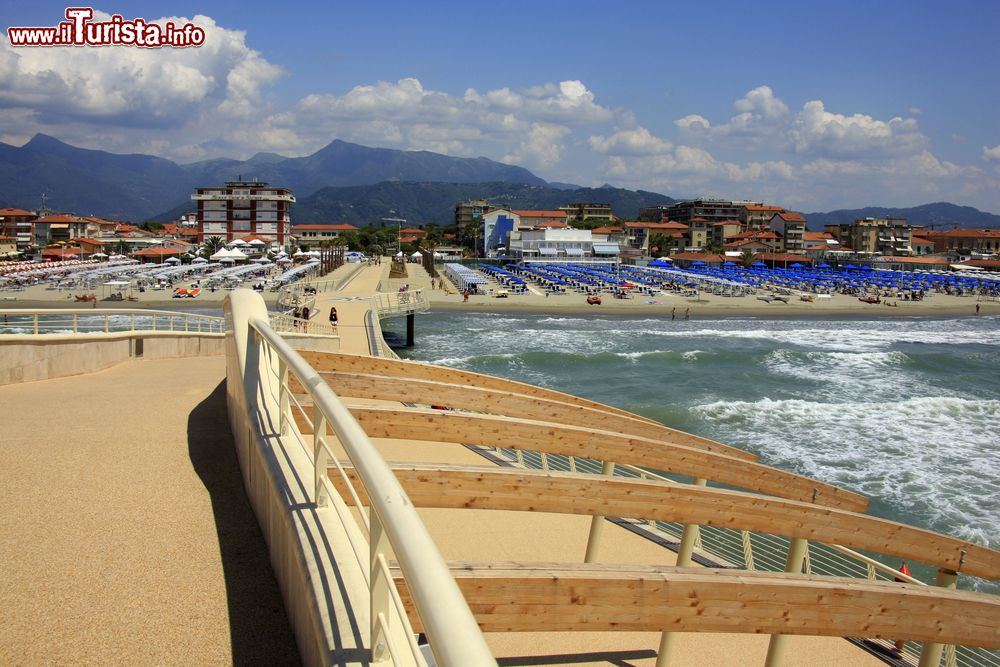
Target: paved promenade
(127,538)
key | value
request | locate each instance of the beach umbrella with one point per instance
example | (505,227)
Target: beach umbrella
(698,263)
(867,268)
(758,264)
(796,265)
(199,260)
(257,242)
(237,242)
(172,260)
(823,266)
(850,266)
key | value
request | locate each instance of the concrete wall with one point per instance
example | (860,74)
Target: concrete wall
(27,358)
(325,595)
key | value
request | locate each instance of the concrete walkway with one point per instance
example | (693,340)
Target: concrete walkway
(127,538)
(352,304)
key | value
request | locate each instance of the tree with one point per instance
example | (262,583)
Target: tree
(212,245)
(746,257)
(659,243)
(713,247)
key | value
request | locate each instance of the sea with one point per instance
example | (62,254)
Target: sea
(903,410)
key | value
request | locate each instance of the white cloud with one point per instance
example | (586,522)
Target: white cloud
(992,153)
(134,86)
(630,142)
(761,103)
(693,122)
(819,132)
(540,147)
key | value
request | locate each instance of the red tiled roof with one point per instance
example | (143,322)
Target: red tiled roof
(791,216)
(551,224)
(14,211)
(914,260)
(413,230)
(703,256)
(64,251)
(816,236)
(985,263)
(84,239)
(960,232)
(60,218)
(605,230)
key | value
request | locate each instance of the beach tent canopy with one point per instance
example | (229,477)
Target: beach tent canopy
(237,242)
(399,254)
(199,260)
(417,254)
(172,260)
(257,242)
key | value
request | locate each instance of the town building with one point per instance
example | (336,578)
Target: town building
(875,236)
(639,233)
(709,210)
(540,219)
(244,207)
(497,227)
(16,224)
(471,213)
(791,227)
(755,216)
(588,212)
(60,227)
(411,235)
(314,234)
(552,243)
(960,241)
(720,232)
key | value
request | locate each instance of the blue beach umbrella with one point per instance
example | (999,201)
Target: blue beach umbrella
(796,265)
(823,266)
(758,264)
(850,266)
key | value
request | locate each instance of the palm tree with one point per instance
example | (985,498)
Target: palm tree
(746,257)
(212,245)
(713,247)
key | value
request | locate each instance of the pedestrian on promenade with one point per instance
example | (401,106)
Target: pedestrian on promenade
(296,315)
(333,317)
(305,318)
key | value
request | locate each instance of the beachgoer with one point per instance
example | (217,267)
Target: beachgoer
(673,313)
(297,314)
(465,296)
(687,313)
(333,316)
(977,309)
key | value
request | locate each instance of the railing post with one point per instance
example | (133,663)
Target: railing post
(107,322)
(379,596)
(597,522)
(797,550)
(76,328)
(283,396)
(684,553)
(319,457)
(133,321)
(35,322)
(930,652)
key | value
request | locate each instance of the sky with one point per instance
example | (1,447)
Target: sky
(813,106)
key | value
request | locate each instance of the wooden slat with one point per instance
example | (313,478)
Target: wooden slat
(512,597)
(488,487)
(474,429)
(493,401)
(666,455)
(332,361)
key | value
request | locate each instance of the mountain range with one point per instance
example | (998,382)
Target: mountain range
(341,182)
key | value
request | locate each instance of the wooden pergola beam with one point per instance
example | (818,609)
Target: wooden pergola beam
(540,597)
(487,487)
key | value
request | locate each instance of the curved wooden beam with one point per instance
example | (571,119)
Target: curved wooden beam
(488,487)
(495,401)
(337,361)
(478,429)
(512,597)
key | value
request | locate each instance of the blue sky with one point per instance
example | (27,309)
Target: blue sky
(812,106)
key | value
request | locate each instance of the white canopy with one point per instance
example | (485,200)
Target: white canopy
(237,242)
(199,260)
(172,260)
(417,254)
(257,242)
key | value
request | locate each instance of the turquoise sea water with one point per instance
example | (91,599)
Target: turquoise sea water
(903,410)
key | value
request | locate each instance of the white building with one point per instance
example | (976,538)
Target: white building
(552,243)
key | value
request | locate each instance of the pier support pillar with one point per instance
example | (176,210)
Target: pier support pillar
(684,552)
(797,550)
(410,319)
(930,652)
(597,522)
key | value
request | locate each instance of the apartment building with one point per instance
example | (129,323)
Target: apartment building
(471,213)
(15,223)
(241,208)
(791,227)
(960,241)
(875,236)
(588,212)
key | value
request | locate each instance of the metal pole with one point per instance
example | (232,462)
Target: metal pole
(797,549)
(379,545)
(930,652)
(684,553)
(597,522)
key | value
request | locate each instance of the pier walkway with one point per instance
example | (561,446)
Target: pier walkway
(127,536)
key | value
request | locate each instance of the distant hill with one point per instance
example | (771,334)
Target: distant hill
(940,215)
(138,187)
(420,203)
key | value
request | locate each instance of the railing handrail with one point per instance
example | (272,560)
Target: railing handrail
(106,311)
(448,621)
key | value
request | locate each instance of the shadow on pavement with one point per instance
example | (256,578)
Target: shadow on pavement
(258,624)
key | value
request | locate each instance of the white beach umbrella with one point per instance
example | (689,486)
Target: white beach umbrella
(172,260)
(237,242)
(236,254)
(199,260)
(257,242)
(297,253)
(417,254)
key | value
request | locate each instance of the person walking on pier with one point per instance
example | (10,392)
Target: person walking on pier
(305,318)
(333,317)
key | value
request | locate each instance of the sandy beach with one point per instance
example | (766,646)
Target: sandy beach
(664,305)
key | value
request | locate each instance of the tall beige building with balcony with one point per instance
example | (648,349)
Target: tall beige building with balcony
(244,208)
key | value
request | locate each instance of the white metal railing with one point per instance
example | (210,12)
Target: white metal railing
(725,547)
(399,303)
(394,528)
(89,320)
